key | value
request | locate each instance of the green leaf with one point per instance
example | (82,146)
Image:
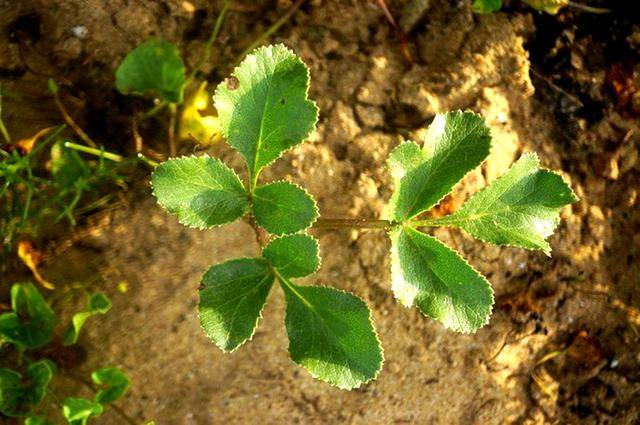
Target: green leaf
(17,395)
(520,208)
(486,6)
(31,323)
(153,68)
(99,303)
(455,144)
(67,167)
(445,287)
(263,106)
(40,374)
(77,411)
(115,381)
(331,335)
(294,255)
(37,420)
(283,208)
(201,191)
(232,296)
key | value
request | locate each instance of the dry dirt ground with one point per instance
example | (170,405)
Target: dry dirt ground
(562,345)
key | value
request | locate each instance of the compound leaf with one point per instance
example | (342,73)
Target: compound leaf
(201,191)
(77,411)
(520,208)
(99,303)
(454,144)
(31,323)
(443,285)
(283,208)
(486,6)
(293,255)
(232,296)
(263,106)
(153,68)
(331,335)
(18,396)
(115,383)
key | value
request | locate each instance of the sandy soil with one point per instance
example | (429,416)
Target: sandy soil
(576,308)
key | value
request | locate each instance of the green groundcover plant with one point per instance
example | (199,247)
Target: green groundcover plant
(28,328)
(264,111)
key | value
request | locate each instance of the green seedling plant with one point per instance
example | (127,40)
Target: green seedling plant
(549,6)
(27,330)
(47,183)
(264,111)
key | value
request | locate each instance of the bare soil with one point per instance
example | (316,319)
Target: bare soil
(562,345)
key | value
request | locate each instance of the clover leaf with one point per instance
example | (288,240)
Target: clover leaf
(98,303)
(30,324)
(114,383)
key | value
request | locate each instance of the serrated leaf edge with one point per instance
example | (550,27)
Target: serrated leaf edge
(464,260)
(246,209)
(556,221)
(375,332)
(306,93)
(306,192)
(421,146)
(258,319)
(302,232)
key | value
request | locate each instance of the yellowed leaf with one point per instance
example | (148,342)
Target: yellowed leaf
(31,258)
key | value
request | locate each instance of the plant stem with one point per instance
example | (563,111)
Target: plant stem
(435,222)
(173,109)
(351,223)
(3,129)
(150,162)
(75,127)
(151,112)
(588,9)
(273,28)
(206,50)
(97,152)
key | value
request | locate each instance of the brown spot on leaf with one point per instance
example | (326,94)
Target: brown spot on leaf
(232,83)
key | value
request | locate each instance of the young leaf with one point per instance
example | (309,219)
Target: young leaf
(331,335)
(293,255)
(153,68)
(115,381)
(231,300)
(18,396)
(99,303)
(11,394)
(283,208)
(263,106)
(40,374)
(77,411)
(454,144)
(30,325)
(521,208)
(486,6)
(201,191)
(443,285)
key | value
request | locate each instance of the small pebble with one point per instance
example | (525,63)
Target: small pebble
(80,31)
